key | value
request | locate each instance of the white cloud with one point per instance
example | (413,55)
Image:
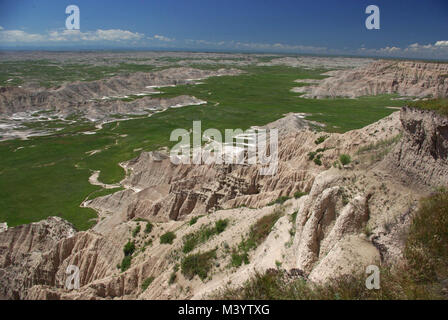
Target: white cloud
(19,36)
(438,50)
(278,47)
(162,38)
(442,43)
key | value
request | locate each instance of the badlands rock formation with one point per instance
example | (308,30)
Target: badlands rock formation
(425,137)
(102,98)
(327,239)
(318,62)
(406,78)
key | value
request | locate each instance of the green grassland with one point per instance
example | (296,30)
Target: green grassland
(438,105)
(49,176)
(48,74)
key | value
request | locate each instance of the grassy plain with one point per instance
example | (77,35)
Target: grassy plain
(49,175)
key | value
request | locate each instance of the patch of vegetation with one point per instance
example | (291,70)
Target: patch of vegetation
(379,149)
(438,105)
(198,264)
(167,237)
(345,197)
(136,231)
(129,248)
(203,234)
(279,200)
(299,194)
(427,244)
(257,234)
(316,156)
(50,74)
(194,220)
(317,159)
(380,144)
(172,278)
(292,231)
(103,192)
(311,155)
(148,227)
(125,263)
(238,257)
(146,283)
(421,276)
(345,159)
(322,150)
(321,139)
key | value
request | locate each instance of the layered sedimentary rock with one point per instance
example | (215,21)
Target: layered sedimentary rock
(327,239)
(406,78)
(85,96)
(422,155)
(22,250)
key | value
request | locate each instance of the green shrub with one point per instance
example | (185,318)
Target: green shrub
(261,229)
(345,159)
(190,242)
(257,234)
(318,161)
(148,227)
(311,155)
(136,231)
(198,264)
(294,217)
(279,200)
(167,237)
(299,194)
(129,248)
(320,139)
(146,283)
(194,220)
(221,225)
(238,258)
(203,234)
(125,263)
(322,150)
(172,278)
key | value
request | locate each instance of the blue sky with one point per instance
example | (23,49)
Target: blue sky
(411,28)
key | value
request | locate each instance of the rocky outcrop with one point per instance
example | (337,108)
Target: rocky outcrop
(406,78)
(421,158)
(317,62)
(93,97)
(352,216)
(323,220)
(22,250)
